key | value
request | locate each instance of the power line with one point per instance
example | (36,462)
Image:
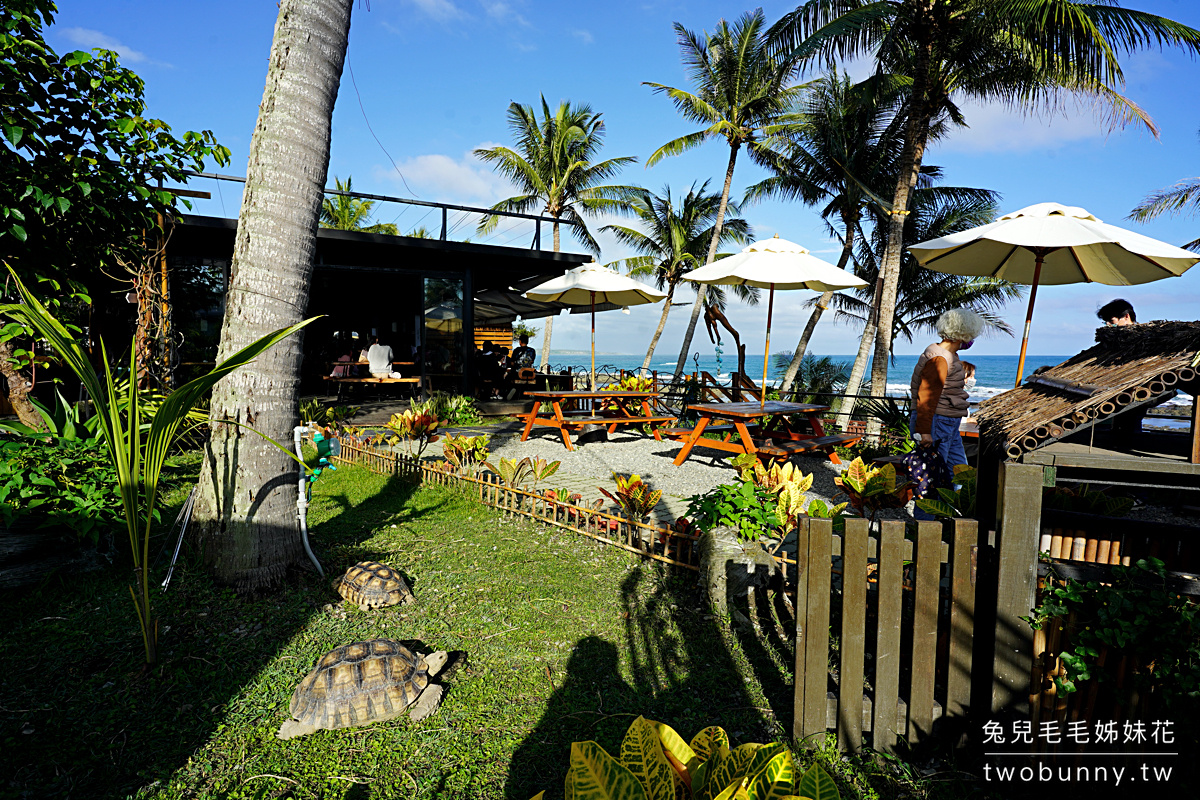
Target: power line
(354,83)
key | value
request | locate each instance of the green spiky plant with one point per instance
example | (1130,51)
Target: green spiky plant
(468,454)
(869,490)
(514,472)
(655,763)
(137,450)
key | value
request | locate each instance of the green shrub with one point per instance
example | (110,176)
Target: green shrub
(450,409)
(750,509)
(72,482)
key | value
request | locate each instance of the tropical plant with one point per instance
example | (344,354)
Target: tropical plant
(451,409)
(1086,500)
(1023,53)
(634,497)
(1132,612)
(345,212)
(744,506)
(66,481)
(630,383)
(869,490)
(466,453)
(1176,200)
(540,469)
(553,165)
(244,516)
(81,159)
(676,240)
(314,412)
(137,454)
(840,155)
(892,419)
(819,509)
(654,762)
(513,472)
(815,376)
(952,502)
(416,429)
(742,91)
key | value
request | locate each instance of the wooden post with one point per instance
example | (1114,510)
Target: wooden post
(1195,459)
(1018,518)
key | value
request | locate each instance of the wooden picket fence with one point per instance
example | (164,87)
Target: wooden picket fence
(649,541)
(904,630)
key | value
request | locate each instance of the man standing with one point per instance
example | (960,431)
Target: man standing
(1118,312)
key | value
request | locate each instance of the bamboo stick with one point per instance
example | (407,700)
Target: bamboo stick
(1186,374)
(1141,394)
(1056,543)
(1078,546)
(1041,431)
(1089,551)
(1029,442)
(1156,387)
(1107,407)
(1168,379)
(1102,551)
(1013,451)
(1067,423)
(1124,399)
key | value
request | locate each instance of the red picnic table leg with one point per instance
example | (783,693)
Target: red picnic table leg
(693,437)
(537,404)
(814,419)
(562,425)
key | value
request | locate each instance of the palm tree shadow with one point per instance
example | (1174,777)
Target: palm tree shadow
(212,646)
(680,672)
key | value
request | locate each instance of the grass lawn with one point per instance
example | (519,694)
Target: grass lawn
(566,640)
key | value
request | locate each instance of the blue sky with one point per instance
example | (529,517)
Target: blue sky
(433,78)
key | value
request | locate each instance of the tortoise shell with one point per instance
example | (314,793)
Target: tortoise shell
(370,584)
(359,684)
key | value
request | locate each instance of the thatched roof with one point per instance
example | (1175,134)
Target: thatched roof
(1131,366)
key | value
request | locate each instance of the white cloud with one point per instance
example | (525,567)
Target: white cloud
(583,36)
(436,176)
(440,10)
(503,12)
(88,38)
(995,128)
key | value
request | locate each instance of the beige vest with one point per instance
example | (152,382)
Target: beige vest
(953,402)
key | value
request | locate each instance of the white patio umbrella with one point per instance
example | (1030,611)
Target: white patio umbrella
(591,284)
(1052,244)
(775,264)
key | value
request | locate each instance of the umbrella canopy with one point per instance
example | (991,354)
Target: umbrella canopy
(1052,244)
(591,284)
(774,264)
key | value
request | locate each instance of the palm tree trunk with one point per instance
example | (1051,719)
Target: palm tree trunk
(856,375)
(698,306)
(246,507)
(549,329)
(815,317)
(662,323)
(909,171)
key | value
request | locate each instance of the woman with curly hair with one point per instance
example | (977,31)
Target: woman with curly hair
(941,384)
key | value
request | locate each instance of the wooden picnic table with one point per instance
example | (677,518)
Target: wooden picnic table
(772,438)
(574,417)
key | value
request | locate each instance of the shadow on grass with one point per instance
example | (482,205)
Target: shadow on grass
(81,717)
(673,665)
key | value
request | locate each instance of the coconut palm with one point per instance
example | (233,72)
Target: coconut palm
(347,213)
(553,165)
(676,240)
(923,295)
(742,91)
(841,153)
(245,508)
(1027,54)
(1179,198)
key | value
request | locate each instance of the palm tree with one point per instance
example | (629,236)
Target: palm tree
(552,165)
(923,294)
(1181,196)
(245,509)
(840,153)
(675,240)
(742,92)
(1027,54)
(346,213)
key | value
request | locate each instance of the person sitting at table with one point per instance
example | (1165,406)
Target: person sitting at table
(524,356)
(1117,312)
(379,359)
(938,386)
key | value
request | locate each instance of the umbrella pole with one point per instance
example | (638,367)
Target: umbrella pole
(593,341)
(762,396)
(1037,274)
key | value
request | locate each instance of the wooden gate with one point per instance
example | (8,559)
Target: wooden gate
(883,630)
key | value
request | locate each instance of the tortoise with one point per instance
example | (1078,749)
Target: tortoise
(369,584)
(362,683)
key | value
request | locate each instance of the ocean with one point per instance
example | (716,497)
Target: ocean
(993,374)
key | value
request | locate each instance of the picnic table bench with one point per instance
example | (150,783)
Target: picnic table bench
(564,420)
(762,429)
